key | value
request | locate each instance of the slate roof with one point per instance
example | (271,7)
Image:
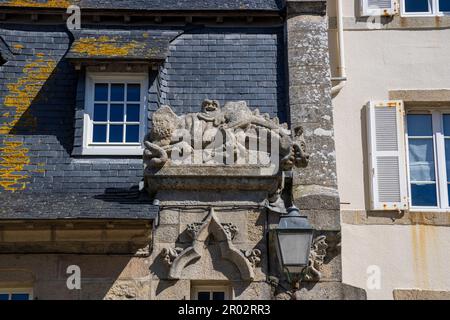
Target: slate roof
(5,52)
(155,5)
(55,206)
(124,45)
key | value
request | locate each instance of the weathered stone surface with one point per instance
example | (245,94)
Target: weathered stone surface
(414,294)
(169,217)
(171,290)
(329,291)
(129,290)
(315,197)
(252,291)
(166,233)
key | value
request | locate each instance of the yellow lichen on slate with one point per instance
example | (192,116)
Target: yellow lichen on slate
(13,159)
(18,98)
(38,4)
(21,94)
(105,47)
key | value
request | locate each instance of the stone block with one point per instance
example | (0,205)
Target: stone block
(166,233)
(171,290)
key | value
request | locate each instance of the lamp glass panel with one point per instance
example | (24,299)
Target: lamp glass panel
(294,247)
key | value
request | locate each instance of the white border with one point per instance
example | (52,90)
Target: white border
(90,148)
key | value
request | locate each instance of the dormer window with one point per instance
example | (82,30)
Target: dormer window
(115,114)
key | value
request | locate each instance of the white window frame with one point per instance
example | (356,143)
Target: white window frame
(90,148)
(211,289)
(434,10)
(11,291)
(439,159)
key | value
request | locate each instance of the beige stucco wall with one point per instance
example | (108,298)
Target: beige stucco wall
(379,61)
(408,257)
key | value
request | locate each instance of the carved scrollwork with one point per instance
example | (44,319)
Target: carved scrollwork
(254,256)
(170,254)
(316,258)
(231,230)
(193,229)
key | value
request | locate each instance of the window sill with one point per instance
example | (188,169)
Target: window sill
(390,218)
(112,151)
(428,210)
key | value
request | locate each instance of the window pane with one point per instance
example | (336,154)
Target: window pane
(421,159)
(446,119)
(20,296)
(116,113)
(204,296)
(417,6)
(133,112)
(100,112)
(218,295)
(101,92)
(420,125)
(444,5)
(117,92)
(4,296)
(447,158)
(423,195)
(132,134)
(116,133)
(134,92)
(99,134)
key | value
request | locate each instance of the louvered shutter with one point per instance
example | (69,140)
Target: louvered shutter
(387,154)
(378,8)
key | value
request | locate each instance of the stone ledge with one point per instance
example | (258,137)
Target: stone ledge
(330,291)
(415,294)
(396,23)
(363,217)
(419,97)
(213,171)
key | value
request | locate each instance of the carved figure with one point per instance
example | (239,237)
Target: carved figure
(219,133)
(316,259)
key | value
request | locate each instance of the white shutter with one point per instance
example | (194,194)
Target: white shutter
(387,154)
(378,8)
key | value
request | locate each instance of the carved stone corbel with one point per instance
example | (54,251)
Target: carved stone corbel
(316,258)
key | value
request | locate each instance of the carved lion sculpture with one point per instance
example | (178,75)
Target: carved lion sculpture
(216,131)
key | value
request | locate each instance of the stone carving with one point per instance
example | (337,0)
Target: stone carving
(230,229)
(222,133)
(170,254)
(254,256)
(193,229)
(211,226)
(143,252)
(316,258)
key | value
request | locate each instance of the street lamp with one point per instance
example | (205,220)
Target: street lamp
(293,238)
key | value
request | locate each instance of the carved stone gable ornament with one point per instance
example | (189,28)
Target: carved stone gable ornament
(230,135)
(223,235)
